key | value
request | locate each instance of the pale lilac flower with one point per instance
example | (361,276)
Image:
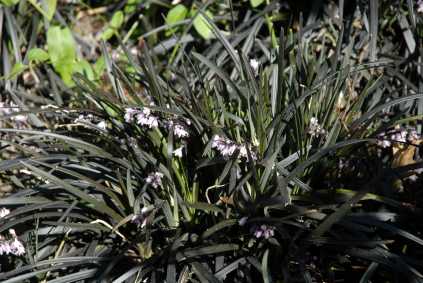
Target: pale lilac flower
(315,129)
(152,122)
(15,107)
(142,119)
(88,117)
(3,212)
(133,142)
(12,245)
(254,64)
(173,77)
(115,55)
(102,125)
(420,6)
(268,231)
(243,220)
(178,151)
(412,178)
(4,110)
(20,121)
(216,141)
(141,218)
(129,114)
(398,137)
(4,248)
(313,121)
(319,131)
(17,247)
(229,148)
(276,8)
(412,135)
(180,131)
(384,143)
(263,230)
(155,179)
(133,50)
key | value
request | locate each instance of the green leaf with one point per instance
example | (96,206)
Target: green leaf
(176,14)
(51,7)
(62,51)
(201,26)
(116,20)
(84,68)
(255,3)
(107,34)
(16,69)
(38,54)
(131,6)
(7,2)
(99,66)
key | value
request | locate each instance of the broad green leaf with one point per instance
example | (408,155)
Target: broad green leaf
(99,66)
(51,7)
(38,54)
(6,2)
(116,20)
(201,26)
(107,34)
(16,69)
(84,68)
(131,5)
(176,14)
(62,51)
(255,3)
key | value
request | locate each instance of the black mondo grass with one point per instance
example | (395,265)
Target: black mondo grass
(278,149)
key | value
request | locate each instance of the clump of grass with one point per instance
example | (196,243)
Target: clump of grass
(256,161)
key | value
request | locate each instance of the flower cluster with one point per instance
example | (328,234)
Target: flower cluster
(227,148)
(19,120)
(146,117)
(314,128)
(178,130)
(264,231)
(155,179)
(87,117)
(11,245)
(400,135)
(141,218)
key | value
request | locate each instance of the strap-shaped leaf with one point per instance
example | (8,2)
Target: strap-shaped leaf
(211,249)
(217,227)
(97,204)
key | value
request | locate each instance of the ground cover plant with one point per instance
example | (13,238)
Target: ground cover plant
(221,142)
